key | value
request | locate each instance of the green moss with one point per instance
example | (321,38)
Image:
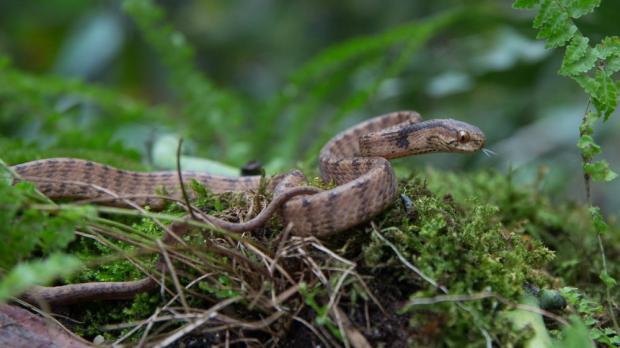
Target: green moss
(563,226)
(122,269)
(462,244)
(470,233)
(94,317)
(479,232)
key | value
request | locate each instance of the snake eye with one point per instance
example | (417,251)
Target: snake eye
(463,136)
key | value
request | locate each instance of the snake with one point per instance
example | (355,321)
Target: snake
(355,161)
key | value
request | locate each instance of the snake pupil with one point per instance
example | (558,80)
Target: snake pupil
(463,136)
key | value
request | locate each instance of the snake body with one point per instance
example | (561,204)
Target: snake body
(356,161)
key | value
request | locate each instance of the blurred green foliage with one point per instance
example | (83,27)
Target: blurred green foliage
(555,22)
(26,230)
(244,80)
(271,82)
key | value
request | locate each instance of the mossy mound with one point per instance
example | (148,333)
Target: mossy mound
(443,266)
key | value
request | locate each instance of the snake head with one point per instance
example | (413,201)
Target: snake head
(457,136)
(422,137)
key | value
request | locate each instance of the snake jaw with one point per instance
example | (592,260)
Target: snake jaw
(471,146)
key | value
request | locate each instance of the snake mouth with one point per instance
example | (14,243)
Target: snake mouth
(470,147)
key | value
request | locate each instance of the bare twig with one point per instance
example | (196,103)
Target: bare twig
(180,175)
(353,335)
(206,316)
(173,274)
(148,328)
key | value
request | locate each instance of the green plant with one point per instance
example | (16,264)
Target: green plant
(322,311)
(592,312)
(206,108)
(25,230)
(594,68)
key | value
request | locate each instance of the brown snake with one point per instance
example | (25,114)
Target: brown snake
(356,160)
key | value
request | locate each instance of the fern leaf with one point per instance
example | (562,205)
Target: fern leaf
(609,50)
(545,12)
(554,24)
(578,8)
(579,57)
(600,171)
(610,46)
(606,97)
(588,147)
(589,84)
(613,65)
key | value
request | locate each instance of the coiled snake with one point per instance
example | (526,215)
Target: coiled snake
(356,160)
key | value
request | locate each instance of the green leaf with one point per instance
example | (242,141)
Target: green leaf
(578,8)
(524,4)
(606,95)
(609,51)
(609,281)
(588,147)
(588,84)
(576,335)
(612,64)
(40,272)
(579,57)
(546,11)
(554,23)
(599,223)
(609,46)
(57,232)
(586,126)
(599,171)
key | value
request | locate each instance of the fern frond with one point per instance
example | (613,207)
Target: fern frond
(609,51)
(555,18)
(578,8)
(554,24)
(606,97)
(579,57)
(207,107)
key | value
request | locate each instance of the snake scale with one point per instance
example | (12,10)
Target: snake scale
(356,161)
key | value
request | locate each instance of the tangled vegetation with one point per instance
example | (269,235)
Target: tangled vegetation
(452,261)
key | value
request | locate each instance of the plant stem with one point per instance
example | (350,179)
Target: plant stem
(585,130)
